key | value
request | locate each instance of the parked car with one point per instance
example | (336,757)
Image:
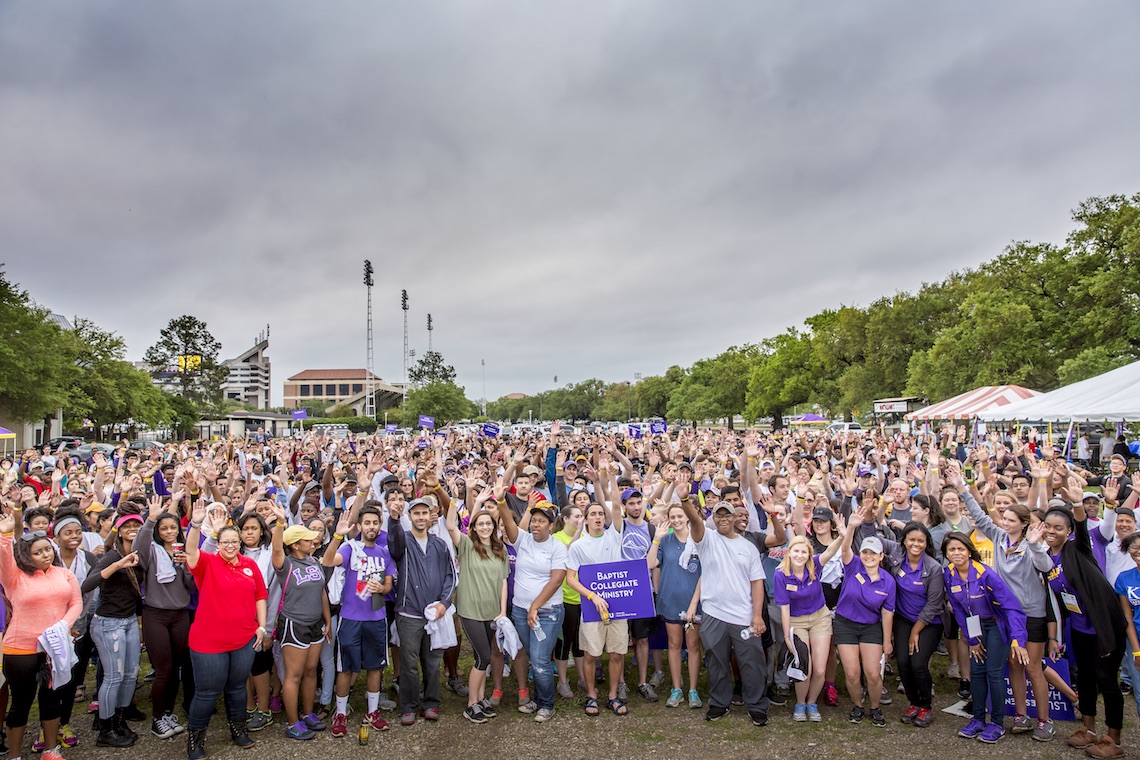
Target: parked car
(67,441)
(84,452)
(844,427)
(145,445)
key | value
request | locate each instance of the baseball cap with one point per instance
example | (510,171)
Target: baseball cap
(295,533)
(685,463)
(1091,495)
(873,543)
(570,463)
(419,502)
(822,513)
(863,470)
(724,506)
(629,493)
(1120,457)
(767,463)
(544,508)
(93,509)
(530,469)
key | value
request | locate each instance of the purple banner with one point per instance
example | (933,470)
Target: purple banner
(300,414)
(635,431)
(1060,708)
(427,422)
(491,430)
(657,428)
(624,585)
(391,427)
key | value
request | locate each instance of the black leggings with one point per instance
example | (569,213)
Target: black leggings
(26,673)
(1096,672)
(166,634)
(568,644)
(262,661)
(84,649)
(480,635)
(914,669)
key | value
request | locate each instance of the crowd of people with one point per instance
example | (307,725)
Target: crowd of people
(274,572)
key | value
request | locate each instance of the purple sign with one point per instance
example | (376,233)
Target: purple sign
(635,431)
(657,428)
(422,444)
(491,430)
(427,422)
(390,427)
(1060,708)
(300,414)
(624,585)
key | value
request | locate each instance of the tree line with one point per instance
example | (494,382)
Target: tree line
(1039,315)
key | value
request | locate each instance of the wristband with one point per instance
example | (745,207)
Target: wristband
(1136,654)
(196,525)
(590,596)
(684,498)
(338,536)
(656,542)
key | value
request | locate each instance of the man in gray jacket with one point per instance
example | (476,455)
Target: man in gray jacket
(425,577)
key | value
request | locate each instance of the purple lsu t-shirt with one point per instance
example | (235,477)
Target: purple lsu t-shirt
(862,600)
(374,563)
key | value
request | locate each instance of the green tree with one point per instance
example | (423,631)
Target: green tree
(446,402)
(186,346)
(653,392)
(37,357)
(184,416)
(617,402)
(431,369)
(783,376)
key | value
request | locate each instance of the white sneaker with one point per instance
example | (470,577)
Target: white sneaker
(386,704)
(953,671)
(172,721)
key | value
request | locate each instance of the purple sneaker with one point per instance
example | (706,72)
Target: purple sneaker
(275,704)
(993,732)
(972,729)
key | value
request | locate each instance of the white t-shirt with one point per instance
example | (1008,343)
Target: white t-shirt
(535,562)
(591,550)
(728,567)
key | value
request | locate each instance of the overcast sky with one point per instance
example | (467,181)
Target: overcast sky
(573,189)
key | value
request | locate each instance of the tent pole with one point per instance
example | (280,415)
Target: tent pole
(1069,441)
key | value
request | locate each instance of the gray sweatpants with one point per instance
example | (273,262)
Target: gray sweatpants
(721,640)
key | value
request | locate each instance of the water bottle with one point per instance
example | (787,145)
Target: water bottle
(365,730)
(538,632)
(746,633)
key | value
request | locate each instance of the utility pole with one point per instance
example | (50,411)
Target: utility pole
(483,362)
(429,332)
(404,306)
(369,387)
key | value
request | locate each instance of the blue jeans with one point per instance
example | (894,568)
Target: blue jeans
(539,652)
(117,640)
(1133,673)
(987,678)
(215,674)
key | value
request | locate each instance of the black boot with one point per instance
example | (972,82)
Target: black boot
(131,712)
(196,743)
(120,727)
(108,735)
(239,734)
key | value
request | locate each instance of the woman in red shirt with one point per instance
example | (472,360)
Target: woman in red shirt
(228,628)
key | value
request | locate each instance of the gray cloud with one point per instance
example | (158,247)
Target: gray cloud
(568,189)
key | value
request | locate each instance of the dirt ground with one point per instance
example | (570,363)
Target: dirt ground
(649,731)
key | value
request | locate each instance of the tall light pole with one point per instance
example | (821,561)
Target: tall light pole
(429,332)
(404,306)
(483,362)
(369,388)
(629,397)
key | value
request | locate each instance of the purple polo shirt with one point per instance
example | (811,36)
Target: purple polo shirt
(862,600)
(803,595)
(911,592)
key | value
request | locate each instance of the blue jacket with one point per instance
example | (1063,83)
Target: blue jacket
(422,577)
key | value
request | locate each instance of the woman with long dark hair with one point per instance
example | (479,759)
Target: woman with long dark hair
(481,595)
(166,618)
(1096,621)
(993,623)
(43,595)
(115,629)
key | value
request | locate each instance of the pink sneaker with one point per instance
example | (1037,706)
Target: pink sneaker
(275,704)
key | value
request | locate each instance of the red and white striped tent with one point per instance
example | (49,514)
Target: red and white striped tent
(968,405)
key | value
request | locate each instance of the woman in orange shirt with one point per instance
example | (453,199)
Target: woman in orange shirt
(43,594)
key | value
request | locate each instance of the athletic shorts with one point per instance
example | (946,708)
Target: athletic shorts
(850,632)
(290,633)
(596,637)
(363,645)
(642,628)
(1037,629)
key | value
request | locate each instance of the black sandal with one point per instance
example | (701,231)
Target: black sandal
(592,704)
(618,707)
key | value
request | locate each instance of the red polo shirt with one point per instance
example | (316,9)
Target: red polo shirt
(227,603)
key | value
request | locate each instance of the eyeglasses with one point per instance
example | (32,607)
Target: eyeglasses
(35,535)
(229,543)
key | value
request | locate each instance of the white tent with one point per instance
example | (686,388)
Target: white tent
(1111,397)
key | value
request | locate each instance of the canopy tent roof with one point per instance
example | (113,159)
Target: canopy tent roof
(1111,397)
(6,433)
(970,404)
(809,417)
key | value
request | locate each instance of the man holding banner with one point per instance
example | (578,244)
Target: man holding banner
(600,545)
(732,603)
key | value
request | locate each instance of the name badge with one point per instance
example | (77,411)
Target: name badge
(1070,603)
(792,588)
(973,626)
(955,589)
